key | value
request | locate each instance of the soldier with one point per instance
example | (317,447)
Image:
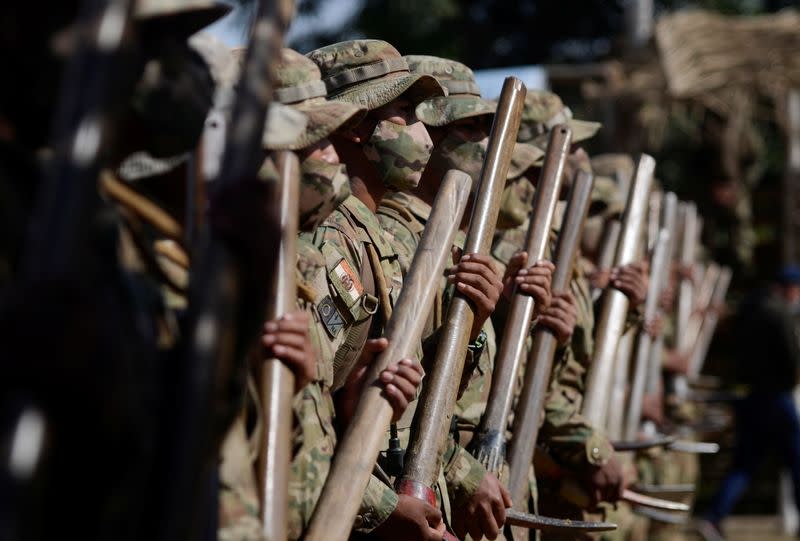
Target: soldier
(324,186)
(387,150)
(459,125)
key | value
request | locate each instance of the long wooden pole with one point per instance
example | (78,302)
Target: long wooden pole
(608,249)
(525,427)
(615,303)
(658,261)
(489,444)
(275,380)
(700,349)
(359,447)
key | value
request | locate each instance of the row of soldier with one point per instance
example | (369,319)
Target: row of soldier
(467,316)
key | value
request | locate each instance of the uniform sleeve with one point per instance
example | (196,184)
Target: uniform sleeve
(462,472)
(378,503)
(572,440)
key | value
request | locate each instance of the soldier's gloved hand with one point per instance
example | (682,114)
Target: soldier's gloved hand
(400,382)
(287,338)
(411,519)
(631,279)
(484,512)
(605,483)
(562,316)
(476,277)
(535,281)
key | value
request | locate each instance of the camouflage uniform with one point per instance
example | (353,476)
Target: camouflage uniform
(362,267)
(322,191)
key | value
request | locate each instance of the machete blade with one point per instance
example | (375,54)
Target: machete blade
(641,445)
(655,503)
(665,490)
(695,447)
(538,522)
(661,516)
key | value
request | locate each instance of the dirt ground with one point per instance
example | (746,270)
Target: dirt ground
(752,528)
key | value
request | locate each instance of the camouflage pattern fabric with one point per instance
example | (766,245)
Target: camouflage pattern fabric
(572,441)
(463,99)
(238,497)
(544,110)
(370,73)
(403,217)
(323,187)
(298,84)
(399,153)
(515,205)
(457,151)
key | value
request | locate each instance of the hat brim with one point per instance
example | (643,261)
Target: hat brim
(523,158)
(284,125)
(184,22)
(444,110)
(581,131)
(604,198)
(323,120)
(376,93)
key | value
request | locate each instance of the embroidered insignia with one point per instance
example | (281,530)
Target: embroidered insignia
(330,316)
(349,280)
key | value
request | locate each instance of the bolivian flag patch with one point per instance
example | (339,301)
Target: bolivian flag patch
(346,282)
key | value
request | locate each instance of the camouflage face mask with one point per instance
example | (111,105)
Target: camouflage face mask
(399,153)
(455,152)
(323,187)
(516,203)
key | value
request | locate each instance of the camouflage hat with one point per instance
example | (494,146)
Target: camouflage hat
(463,98)
(542,111)
(178,17)
(298,84)
(370,73)
(523,158)
(618,167)
(284,124)
(606,198)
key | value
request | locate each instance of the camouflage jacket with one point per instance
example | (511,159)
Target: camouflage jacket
(568,435)
(403,218)
(571,439)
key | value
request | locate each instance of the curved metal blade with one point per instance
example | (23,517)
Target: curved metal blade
(696,447)
(538,522)
(641,445)
(655,503)
(661,516)
(665,490)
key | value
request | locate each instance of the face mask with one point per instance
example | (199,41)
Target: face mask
(399,153)
(455,152)
(323,187)
(516,203)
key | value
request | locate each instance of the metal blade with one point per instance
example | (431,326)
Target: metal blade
(538,522)
(665,490)
(641,445)
(695,447)
(661,516)
(705,382)
(713,396)
(655,503)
